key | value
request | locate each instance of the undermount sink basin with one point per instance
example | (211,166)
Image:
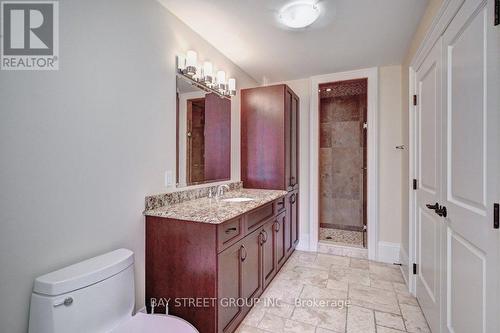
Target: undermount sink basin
(237,199)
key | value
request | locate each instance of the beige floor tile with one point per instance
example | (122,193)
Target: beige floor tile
(414,319)
(389,320)
(380,284)
(255,315)
(292,326)
(325,317)
(249,329)
(272,323)
(337,285)
(282,309)
(385,272)
(373,298)
(360,320)
(359,263)
(401,288)
(381,329)
(324,330)
(407,299)
(351,275)
(306,275)
(313,292)
(328,260)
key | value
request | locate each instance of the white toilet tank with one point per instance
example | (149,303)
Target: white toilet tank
(94,295)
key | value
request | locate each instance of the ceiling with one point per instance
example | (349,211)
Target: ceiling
(349,34)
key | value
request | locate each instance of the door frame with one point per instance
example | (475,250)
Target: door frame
(372,163)
(444,16)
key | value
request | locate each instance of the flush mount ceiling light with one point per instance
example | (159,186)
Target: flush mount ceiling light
(299,14)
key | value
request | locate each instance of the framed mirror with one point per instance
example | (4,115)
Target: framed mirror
(203,134)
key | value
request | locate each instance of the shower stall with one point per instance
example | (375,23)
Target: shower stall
(343,161)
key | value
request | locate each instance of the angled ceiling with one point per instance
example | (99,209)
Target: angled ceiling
(349,34)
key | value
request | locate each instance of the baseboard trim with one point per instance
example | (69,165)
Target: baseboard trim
(303,244)
(388,252)
(404,260)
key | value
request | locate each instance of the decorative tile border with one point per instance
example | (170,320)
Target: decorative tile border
(166,199)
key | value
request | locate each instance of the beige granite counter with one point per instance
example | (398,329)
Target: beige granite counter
(214,211)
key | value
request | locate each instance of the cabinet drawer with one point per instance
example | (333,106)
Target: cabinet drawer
(280,205)
(256,217)
(228,233)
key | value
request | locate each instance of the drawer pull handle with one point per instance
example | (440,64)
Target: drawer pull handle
(243,250)
(230,229)
(277,226)
(263,234)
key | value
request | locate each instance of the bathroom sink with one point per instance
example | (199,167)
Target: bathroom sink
(241,199)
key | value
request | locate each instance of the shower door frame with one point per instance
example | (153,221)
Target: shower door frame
(372,155)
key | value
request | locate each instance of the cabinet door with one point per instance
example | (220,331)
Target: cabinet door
(251,266)
(294,146)
(288,223)
(229,285)
(295,217)
(268,241)
(279,231)
(288,139)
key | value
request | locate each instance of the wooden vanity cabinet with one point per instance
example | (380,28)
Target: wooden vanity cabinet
(233,260)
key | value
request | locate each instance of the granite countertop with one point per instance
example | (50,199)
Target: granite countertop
(214,211)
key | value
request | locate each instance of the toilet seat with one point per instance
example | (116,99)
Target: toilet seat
(142,322)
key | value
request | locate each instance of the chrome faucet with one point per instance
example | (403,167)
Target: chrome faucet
(220,190)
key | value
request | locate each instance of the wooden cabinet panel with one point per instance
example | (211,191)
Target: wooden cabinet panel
(194,260)
(268,241)
(294,217)
(262,134)
(251,267)
(229,233)
(257,216)
(279,231)
(229,282)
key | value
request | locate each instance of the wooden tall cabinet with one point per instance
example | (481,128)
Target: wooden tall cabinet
(269,138)
(270,150)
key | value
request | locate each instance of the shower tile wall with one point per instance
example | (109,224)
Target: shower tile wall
(341,161)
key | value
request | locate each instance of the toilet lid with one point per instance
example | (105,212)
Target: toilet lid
(142,322)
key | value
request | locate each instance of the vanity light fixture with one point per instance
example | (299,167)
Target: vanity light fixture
(221,80)
(191,62)
(231,86)
(207,72)
(299,14)
(205,76)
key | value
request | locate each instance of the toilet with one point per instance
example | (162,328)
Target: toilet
(95,295)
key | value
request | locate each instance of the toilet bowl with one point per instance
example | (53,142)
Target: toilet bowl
(95,295)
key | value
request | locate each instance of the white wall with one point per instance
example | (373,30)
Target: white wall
(81,147)
(389,158)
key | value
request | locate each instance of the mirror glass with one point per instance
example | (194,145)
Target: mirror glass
(203,135)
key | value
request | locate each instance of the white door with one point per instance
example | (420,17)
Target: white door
(429,226)
(471,152)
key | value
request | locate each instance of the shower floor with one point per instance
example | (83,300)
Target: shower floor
(341,237)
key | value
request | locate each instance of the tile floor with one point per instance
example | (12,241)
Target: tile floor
(379,300)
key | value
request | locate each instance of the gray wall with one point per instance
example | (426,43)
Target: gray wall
(81,147)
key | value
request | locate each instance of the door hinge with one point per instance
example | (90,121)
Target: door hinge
(415,99)
(496,217)
(497,12)
(414,269)
(415,184)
